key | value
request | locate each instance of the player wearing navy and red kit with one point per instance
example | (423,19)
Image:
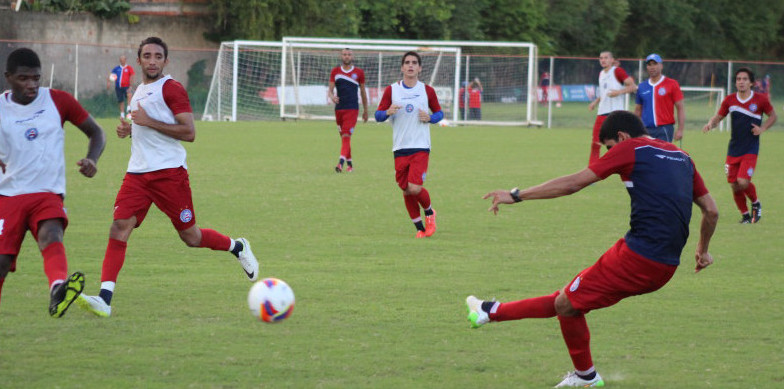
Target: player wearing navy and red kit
(406,103)
(32,172)
(614,82)
(347,79)
(157,174)
(656,98)
(122,78)
(746,108)
(662,182)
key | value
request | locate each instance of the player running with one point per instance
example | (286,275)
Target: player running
(32,172)
(746,108)
(662,182)
(157,174)
(346,79)
(406,103)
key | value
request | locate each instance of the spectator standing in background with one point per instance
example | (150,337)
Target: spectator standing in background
(656,99)
(122,77)
(475,100)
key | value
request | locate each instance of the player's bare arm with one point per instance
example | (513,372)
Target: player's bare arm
(757,130)
(710,217)
(332,97)
(681,120)
(712,123)
(628,87)
(123,129)
(638,110)
(363,94)
(393,109)
(558,187)
(594,103)
(183,130)
(88,165)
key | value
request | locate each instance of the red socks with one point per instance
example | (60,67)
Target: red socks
(578,340)
(534,308)
(55,263)
(113,260)
(412,205)
(740,201)
(423,198)
(214,240)
(751,192)
(345,146)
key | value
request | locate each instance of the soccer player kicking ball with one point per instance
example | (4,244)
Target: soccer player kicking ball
(406,104)
(157,174)
(662,182)
(32,172)
(746,108)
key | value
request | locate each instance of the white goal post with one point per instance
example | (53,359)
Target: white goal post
(255,80)
(703,102)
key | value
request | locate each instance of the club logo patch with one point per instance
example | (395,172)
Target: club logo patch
(423,176)
(753,108)
(662,91)
(31,134)
(750,172)
(575,284)
(354,76)
(186,215)
(409,108)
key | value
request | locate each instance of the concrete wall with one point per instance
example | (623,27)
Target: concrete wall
(62,40)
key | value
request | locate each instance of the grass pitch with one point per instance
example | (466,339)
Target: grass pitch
(375,307)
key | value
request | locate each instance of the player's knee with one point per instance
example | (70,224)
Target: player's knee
(563,307)
(191,237)
(413,189)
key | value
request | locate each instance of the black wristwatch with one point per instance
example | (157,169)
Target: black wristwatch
(515,193)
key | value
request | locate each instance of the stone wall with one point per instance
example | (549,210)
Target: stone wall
(96,44)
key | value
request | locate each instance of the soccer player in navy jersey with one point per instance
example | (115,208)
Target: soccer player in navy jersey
(746,108)
(407,103)
(347,80)
(158,174)
(32,172)
(662,182)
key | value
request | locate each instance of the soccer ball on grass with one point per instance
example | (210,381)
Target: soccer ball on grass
(271,300)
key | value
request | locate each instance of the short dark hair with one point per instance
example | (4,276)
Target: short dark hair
(747,71)
(154,40)
(621,121)
(411,54)
(22,57)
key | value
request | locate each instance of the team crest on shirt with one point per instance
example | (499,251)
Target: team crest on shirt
(31,134)
(186,215)
(354,76)
(409,108)
(662,91)
(575,284)
(753,107)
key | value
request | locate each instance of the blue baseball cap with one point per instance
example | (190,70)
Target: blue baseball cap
(653,57)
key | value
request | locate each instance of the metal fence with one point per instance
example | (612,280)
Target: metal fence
(570,72)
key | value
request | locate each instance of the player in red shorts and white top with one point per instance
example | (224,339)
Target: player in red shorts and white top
(157,174)
(347,80)
(614,82)
(663,183)
(32,172)
(746,108)
(406,103)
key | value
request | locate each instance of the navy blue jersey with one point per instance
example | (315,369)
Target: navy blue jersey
(744,114)
(347,83)
(662,182)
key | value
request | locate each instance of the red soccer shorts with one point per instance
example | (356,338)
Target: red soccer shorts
(347,120)
(619,273)
(411,169)
(168,189)
(740,167)
(23,212)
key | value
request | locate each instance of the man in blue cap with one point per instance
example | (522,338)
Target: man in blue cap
(656,98)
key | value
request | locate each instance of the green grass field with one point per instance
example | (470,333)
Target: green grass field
(375,307)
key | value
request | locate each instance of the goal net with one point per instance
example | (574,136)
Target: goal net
(256,80)
(306,67)
(700,104)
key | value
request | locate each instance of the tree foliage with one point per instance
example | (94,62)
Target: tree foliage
(673,28)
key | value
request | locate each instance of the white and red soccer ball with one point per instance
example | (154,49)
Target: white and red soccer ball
(271,300)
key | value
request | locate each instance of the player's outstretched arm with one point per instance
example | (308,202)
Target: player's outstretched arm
(712,123)
(558,187)
(88,165)
(710,217)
